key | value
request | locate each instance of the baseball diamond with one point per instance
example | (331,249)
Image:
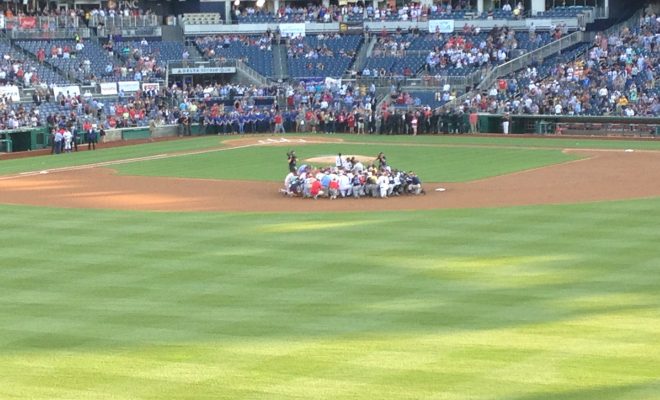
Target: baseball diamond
(176,270)
(330,199)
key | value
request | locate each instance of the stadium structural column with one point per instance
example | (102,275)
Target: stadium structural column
(480,6)
(537,6)
(228,12)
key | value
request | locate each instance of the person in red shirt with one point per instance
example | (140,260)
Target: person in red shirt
(333,188)
(340,122)
(350,122)
(474,120)
(279,123)
(315,190)
(502,85)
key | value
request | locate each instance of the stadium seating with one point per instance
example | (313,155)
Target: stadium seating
(201,19)
(253,49)
(564,12)
(342,49)
(88,63)
(160,51)
(41,73)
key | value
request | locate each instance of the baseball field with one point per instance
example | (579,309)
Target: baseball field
(175,270)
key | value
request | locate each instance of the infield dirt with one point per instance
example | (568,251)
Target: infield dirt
(600,175)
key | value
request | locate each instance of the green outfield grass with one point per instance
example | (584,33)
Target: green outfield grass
(518,303)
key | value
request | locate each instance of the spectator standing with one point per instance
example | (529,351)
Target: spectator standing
(506,120)
(474,121)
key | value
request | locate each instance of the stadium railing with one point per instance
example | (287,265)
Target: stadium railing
(145,31)
(59,33)
(43,23)
(132,21)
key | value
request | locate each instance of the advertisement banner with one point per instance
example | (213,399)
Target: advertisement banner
(203,70)
(66,90)
(538,23)
(108,88)
(292,30)
(332,83)
(441,25)
(129,86)
(150,86)
(11,91)
(27,22)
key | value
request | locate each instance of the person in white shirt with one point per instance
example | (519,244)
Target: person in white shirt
(345,187)
(383,182)
(68,139)
(358,167)
(558,109)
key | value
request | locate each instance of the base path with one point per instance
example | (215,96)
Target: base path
(601,175)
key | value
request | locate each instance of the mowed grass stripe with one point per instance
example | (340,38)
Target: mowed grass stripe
(505,303)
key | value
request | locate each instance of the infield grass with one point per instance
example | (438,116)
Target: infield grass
(433,164)
(521,303)
(387,144)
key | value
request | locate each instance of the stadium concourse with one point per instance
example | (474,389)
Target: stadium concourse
(56,67)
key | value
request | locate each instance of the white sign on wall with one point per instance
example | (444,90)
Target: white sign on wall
(11,91)
(292,30)
(129,86)
(66,90)
(441,25)
(203,70)
(150,86)
(108,88)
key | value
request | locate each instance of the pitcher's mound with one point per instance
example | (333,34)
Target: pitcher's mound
(325,160)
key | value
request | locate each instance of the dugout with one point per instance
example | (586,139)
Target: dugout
(24,139)
(586,125)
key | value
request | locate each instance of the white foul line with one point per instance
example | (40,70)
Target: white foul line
(146,158)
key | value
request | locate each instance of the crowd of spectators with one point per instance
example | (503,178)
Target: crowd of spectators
(140,62)
(143,108)
(211,46)
(17,117)
(473,50)
(18,70)
(616,76)
(298,48)
(412,11)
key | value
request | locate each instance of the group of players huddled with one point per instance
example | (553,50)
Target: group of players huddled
(349,178)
